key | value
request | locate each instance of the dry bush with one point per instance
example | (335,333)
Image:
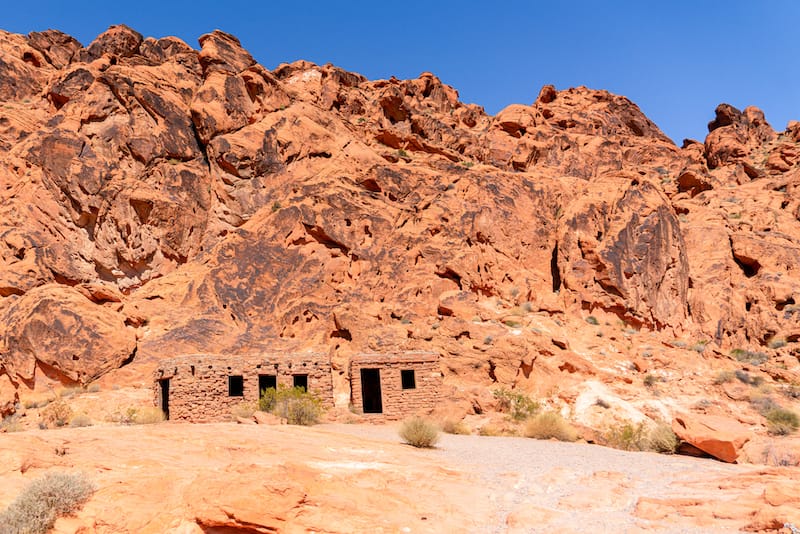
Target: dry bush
(56,414)
(490,430)
(244,409)
(657,437)
(146,415)
(724,377)
(419,432)
(451,426)
(80,420)
(781,421)
(547,425)
(43,501)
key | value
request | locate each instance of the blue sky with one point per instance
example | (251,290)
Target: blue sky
(676,59)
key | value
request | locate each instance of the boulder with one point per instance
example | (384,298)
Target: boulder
(720,437)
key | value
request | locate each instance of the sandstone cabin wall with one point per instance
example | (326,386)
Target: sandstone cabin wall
(397,402)
(198,384)
(199,387)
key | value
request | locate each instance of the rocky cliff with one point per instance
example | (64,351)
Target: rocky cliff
(158,200)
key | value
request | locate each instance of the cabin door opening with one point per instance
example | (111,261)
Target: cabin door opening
(371,390)
(164,383)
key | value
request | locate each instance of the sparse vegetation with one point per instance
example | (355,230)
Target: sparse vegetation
(550,424)
(512,324)
(244,409)
(592,320)
(776,343)
(657,437)
(781,421)
(276,206)
(723,377)
(402,153)
(650,380)
(10,424)
(56,414)
(451,426)
(296,405)
(419,432)
(518,405)
(747,378)
(80,420)
(748,356)
(44,500)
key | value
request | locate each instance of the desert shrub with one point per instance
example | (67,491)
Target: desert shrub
(748,356)
(68,393)
(661,438)
(723,377)
(29,404)
(451,426)
(650,380)
(547,425)
(419,432)
(11,424)
(657,437)
(518,405)
(80,420)
(56,414)
(776,343)
(43,501)
(490,430)
(93,388)
(592,320)
(296,405)
(781,421)
(747,378)
(146,415)
(244,409)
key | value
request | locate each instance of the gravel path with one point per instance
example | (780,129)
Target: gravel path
(576,487)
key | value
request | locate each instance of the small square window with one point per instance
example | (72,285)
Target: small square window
(236,386)
(408,379)
(300,381)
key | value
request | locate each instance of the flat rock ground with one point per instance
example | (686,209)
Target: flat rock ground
(224,477)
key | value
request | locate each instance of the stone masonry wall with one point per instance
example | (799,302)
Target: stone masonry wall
(398,402)
(198,384)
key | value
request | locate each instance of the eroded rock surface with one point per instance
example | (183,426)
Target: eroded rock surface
(156,199)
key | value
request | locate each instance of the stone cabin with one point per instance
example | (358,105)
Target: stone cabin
(206,387)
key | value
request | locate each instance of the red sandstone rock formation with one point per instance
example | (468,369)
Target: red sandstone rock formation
(158,200)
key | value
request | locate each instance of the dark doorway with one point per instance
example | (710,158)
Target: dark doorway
(265,382)
(165,397)
(301,381)
(371,390)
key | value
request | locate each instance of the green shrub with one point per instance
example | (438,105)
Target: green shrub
(657,437)
(420,433)
(296,405)
(547,425)
(592,320)
(43,501)
(519,406)
(781,422)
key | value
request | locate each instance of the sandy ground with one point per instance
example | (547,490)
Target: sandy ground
(225,477)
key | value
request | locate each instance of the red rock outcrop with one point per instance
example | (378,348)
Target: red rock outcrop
(157,200)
